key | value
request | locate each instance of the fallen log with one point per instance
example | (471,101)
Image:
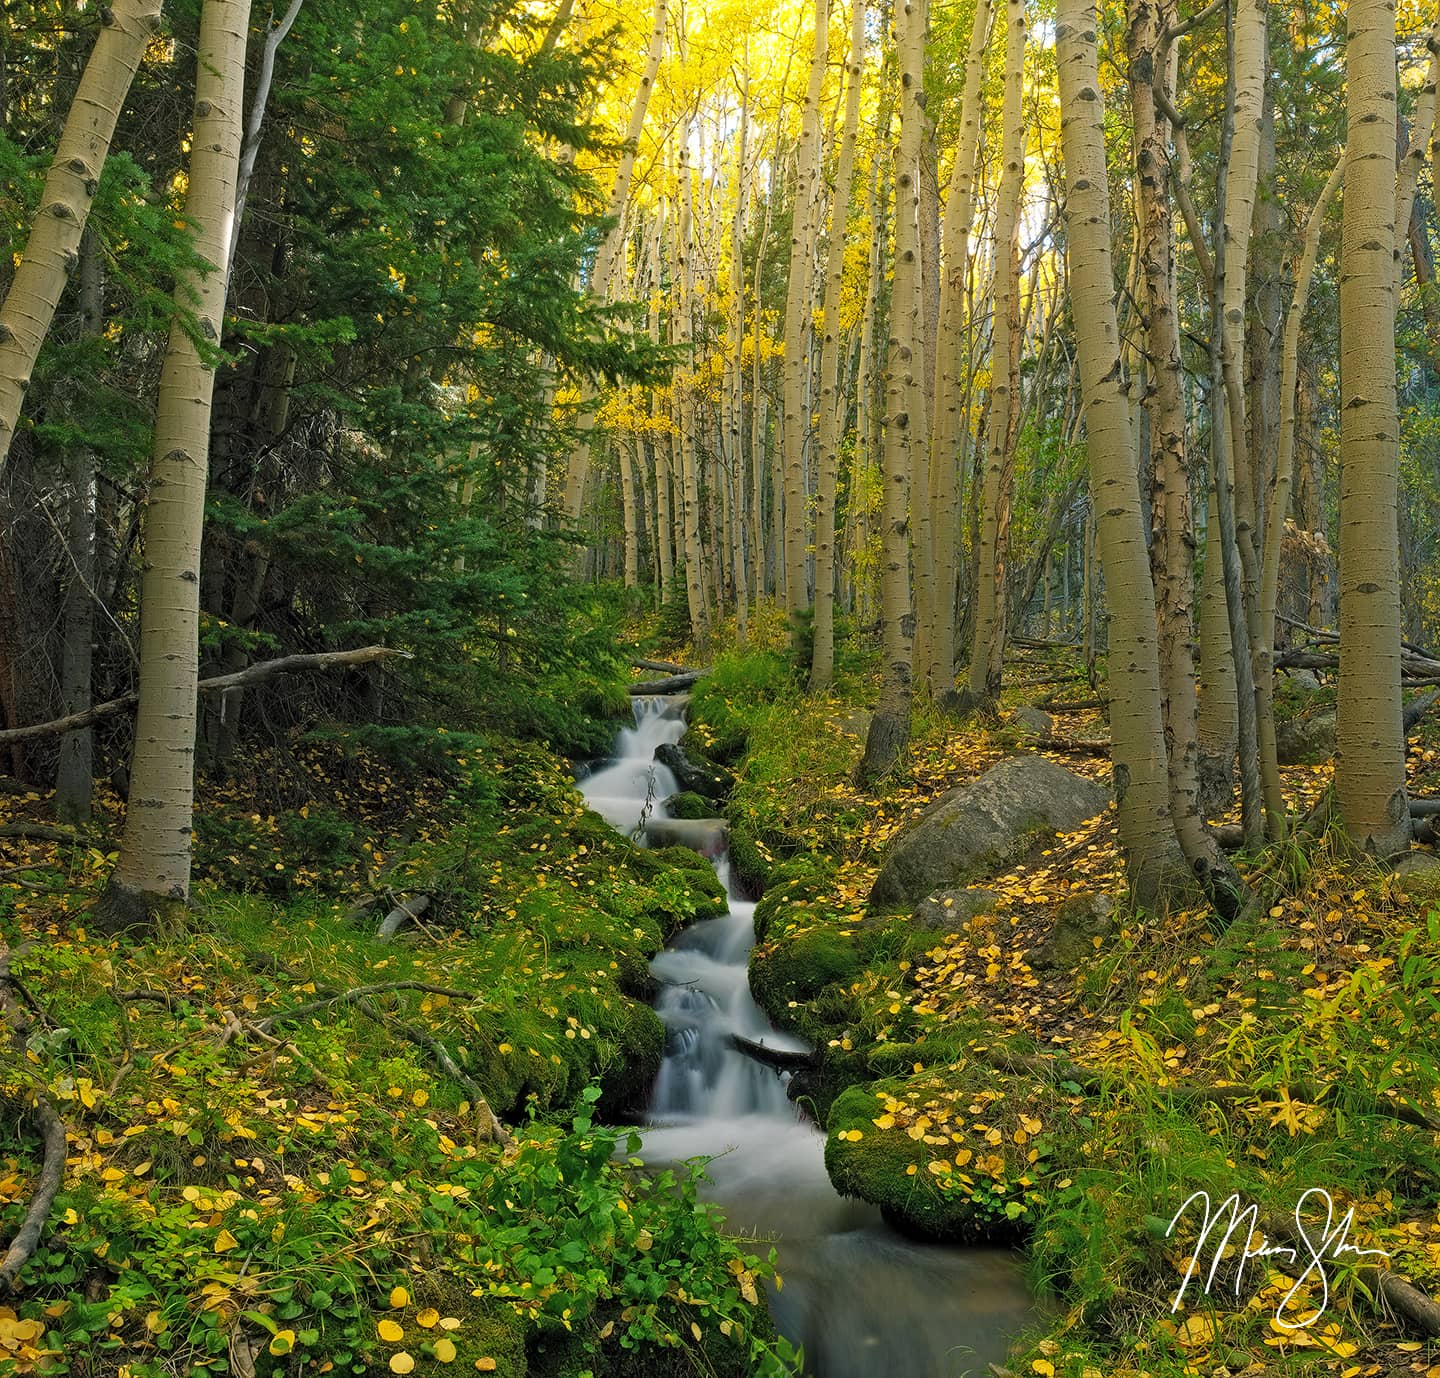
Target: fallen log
(47,1186)
(1079,746)
(217,684)
(664,667)
(37,832)
(403,912)
(672,685)
(1424,808)
(781,1059)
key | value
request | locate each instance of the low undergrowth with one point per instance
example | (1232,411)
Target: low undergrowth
(1076,1106)
(278,1159)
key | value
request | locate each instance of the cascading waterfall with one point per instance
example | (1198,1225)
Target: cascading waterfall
(857,1296)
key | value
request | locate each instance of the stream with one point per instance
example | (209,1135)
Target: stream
(859,1297)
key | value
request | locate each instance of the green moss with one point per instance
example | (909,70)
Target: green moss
(747,862)
(953,1152)
(792,885)
(632,1062)
(688,804)
(799,968)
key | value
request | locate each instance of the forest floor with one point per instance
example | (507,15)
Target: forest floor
(268,1173)
(976,1084)
(277,1162)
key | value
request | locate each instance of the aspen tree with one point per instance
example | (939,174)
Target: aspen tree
(695,581)
(797,324)
(822,662)
(53,248)
(1153,859)
(890,725)
(1369,734)
(948,421)
(154,864)
(579,462)
(735,367)
(987,644)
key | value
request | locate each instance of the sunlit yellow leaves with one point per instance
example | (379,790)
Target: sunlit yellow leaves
(282,1342)
(884,1122)
(225,1241)
(428,1318)
(851,1135)
(444,1351)
(402,1362)
(486,1364)
(389,1331)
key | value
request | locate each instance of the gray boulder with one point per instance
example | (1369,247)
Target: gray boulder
(1305,740)
(985,824)
(708,781)
(1034,721)
(948,911)
(1418,863)
(1071,941)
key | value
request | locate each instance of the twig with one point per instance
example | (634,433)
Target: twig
(352,997)
(52,1174)
(35,832)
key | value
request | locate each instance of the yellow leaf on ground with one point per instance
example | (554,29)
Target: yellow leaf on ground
(485,1365)
(282,1342)
(388,1330)
(401,1363)
(399,1297)
(428,1317)
(445,1351)
(225,1241)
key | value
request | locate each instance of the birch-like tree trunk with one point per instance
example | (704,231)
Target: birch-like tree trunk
(890,726)
(822,661)
(1153,859)
(1369,734)
(154,864)
(53,248)
(579,461)
(952,363)
(735,367)
(987,645)
(695,582)
(797,325)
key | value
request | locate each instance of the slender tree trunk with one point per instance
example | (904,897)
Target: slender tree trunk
(890,726)
(610,249)
(1284,477)
(1369,736)
(54,244)
(695,589)
(154,864)
(735,367)
(987,646)
(822,661)
(952,361)
(797,326)
(1153,859)
(74,772)
(1216,729)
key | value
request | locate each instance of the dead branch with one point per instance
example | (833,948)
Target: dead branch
(352,997)
(490,1126)
(52,1174)
(662,667)
(404,910)
(239,679)
(1078,746)
(673,685)
(781,1059)
(35,832)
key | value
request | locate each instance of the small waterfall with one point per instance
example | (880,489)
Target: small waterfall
(857,1296)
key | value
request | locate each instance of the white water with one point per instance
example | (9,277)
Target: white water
(860,1298)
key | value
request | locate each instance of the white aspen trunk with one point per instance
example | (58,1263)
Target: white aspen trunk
(1153,859)
(695,581)
(988,641)
(952,364)
(605,256)
(1369,735)
(735,368)
(154,864)
(822,661)
(797,324)
(890,726)
(53,248)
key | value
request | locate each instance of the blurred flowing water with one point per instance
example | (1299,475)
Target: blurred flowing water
(859,1297)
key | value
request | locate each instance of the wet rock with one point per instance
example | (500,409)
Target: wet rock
(1305,740)
(991,821)
(710,781)
(1034,721)
(948,911)
(688,804)
(1071,941)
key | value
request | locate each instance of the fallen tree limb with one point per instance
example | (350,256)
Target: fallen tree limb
(1424,808)
(673,685)
(1079,746)
(353,997)
(35,832)
(47,1186)
(404,911)
(663,667)
(239,679)
(1053,705)
(781,1059)
(490,1126)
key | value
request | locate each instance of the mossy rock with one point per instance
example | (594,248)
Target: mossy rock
(688,804)
(791,885)
(747,863)
(721,746)
(955,1153)
(634,1062)
(798,968)
(685,884)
